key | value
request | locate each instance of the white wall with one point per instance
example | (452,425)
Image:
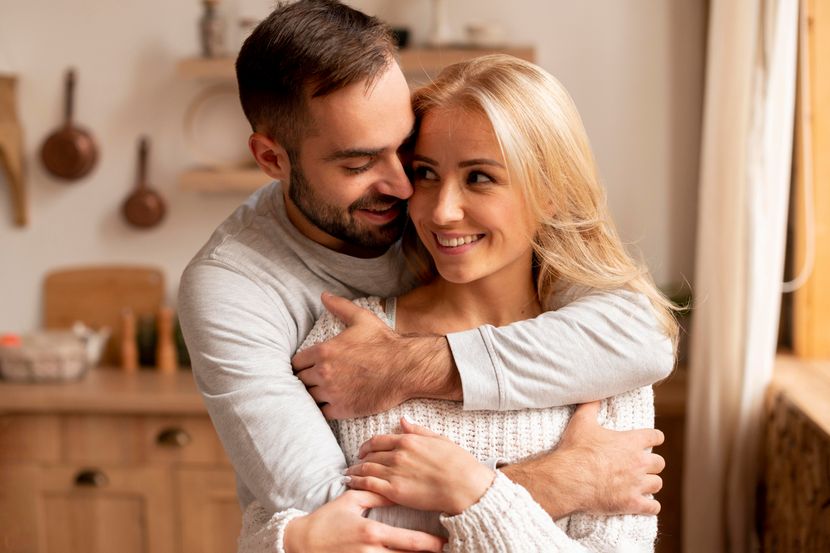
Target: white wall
(634,68)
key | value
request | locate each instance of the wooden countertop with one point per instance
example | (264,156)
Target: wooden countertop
(806,384)
(105,390)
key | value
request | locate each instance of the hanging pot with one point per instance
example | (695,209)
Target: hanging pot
(144,207)
(70,152)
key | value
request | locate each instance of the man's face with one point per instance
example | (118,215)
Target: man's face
(348,182)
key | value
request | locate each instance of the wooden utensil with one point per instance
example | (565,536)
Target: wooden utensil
(98,296)
(144,207)
(11,147)
(70,152)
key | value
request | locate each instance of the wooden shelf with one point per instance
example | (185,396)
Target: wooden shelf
(418,64)
(242,181)
(413,61)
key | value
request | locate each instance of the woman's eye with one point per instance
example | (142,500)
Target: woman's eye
(424,173)
(477,177)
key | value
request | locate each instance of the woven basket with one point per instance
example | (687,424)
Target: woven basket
(44,356)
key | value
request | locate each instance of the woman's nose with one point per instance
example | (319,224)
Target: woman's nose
(449,205)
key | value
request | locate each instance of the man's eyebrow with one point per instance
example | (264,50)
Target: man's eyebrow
(353,153)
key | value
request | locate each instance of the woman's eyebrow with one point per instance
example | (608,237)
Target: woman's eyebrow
(481,161)
(425,159)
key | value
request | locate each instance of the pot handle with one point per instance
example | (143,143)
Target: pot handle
(69,96)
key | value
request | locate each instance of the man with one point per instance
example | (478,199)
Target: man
(330,110)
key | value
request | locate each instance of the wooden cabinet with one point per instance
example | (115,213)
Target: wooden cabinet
(99,466)
(210,518)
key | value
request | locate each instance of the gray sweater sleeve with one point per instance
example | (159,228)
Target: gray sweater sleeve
(239,338)
(596,346)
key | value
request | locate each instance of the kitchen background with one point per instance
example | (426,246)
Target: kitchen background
(634,68)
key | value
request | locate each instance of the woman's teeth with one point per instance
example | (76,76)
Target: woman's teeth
(458,241)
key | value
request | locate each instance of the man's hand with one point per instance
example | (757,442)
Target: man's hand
(595,470)
(369,368)
(339,527)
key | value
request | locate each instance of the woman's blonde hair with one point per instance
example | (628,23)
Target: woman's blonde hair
(548,155)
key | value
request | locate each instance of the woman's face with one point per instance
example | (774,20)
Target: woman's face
(471,218)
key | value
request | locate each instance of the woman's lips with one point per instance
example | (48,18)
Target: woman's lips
(456,244)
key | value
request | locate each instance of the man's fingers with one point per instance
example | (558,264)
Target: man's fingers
(649,507)
(409,540)
(342,308)
(304,359)
(656,463)
(309,377)
(652,484)
(319,395)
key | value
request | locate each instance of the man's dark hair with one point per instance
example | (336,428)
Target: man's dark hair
(304,50)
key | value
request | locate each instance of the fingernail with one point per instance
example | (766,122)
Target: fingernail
(345,471)
(408,420)
(346,479)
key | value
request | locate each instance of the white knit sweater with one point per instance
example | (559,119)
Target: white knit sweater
(506,519)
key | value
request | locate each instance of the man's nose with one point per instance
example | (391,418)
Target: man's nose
(395,182)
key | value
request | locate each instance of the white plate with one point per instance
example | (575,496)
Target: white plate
(216,129)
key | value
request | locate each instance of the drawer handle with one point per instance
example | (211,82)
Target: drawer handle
(173,437)
(91,478)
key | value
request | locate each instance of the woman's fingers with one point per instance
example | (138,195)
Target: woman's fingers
(359,500)
(370,484)
(386,442)
(386,458)
(407,540)
(369,469)
(409,427)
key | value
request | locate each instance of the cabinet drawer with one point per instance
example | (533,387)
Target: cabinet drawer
(29,438)
(139,439)
(183,439)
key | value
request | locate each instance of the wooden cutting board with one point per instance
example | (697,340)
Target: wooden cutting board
(97,296)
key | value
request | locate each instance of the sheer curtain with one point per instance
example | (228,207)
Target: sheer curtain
(746,159)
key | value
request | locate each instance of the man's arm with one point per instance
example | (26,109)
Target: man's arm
(597,346)
(239,341)
(594,470)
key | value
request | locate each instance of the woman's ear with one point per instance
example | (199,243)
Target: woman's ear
(271,156)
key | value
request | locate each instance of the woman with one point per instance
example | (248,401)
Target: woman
(507,217)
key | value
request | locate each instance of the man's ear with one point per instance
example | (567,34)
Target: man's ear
(271,157)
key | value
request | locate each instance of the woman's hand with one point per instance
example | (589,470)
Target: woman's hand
(421,470)
(339,527)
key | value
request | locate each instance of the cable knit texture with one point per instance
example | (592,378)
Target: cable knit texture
(506,519)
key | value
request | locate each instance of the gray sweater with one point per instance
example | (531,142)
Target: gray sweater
(252,293)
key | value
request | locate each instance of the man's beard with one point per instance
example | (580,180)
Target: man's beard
(341,224)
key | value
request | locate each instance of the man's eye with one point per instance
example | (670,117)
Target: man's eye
(359,169)
(477,177)
(423,172)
